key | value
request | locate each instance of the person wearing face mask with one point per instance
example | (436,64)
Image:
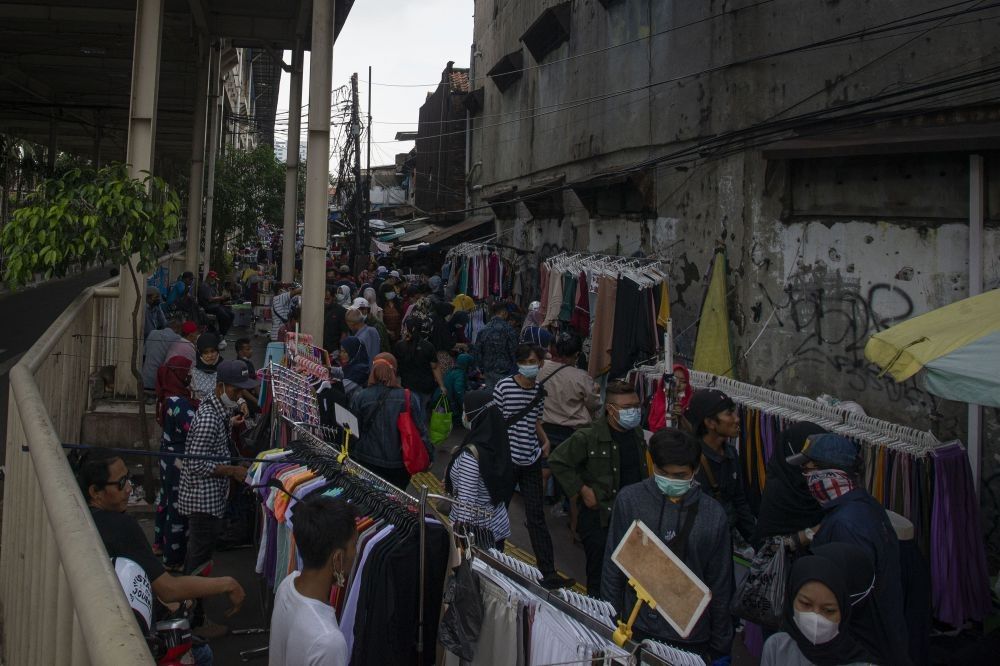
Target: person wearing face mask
(355,364)
(825,590)
(304,627)
(521,401)
(595,463)
(691,524)
(203,376)
(713,420)
(481,473)
(204,482)
(831,465)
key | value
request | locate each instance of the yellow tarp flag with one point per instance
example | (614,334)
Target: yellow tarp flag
(663,312)
(712,350)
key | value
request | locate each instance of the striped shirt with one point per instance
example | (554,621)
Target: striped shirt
(469,488)
(512,399)
(281,307)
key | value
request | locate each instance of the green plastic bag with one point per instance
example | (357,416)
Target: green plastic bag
(441,422)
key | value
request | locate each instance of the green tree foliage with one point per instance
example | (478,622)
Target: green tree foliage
(87,216)
(249,194)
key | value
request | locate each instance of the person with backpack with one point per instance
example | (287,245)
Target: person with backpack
(378,407)
(521,401)
(595,463)
(481,473)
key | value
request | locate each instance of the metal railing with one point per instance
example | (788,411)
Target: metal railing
(60,600)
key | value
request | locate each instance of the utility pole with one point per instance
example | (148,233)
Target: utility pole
(368,185)
(360,228)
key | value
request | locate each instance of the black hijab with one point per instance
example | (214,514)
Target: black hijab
(786,505)
(442,336)
(489,435)
(207,341)
(847,571)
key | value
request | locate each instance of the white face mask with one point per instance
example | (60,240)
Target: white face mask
(228,402)
(816,628)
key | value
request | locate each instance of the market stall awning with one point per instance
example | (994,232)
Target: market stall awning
(958,346)
(468,224)
(417,235)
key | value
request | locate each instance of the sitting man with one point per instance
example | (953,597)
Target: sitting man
(104,481)
(214,303)
(155,319)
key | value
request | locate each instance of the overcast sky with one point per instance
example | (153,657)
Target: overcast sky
(405,43)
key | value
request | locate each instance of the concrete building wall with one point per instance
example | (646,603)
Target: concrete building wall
(822,252)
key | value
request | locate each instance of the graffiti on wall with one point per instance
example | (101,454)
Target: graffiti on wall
(830,318)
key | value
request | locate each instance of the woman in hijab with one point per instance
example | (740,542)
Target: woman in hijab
(175,410)
(481,473)
(534,317)
(392,315)
(458,322)
(355,363)
(378,408)
(825,591)
(787,508)
(344,296)
(203,376)
(369,295)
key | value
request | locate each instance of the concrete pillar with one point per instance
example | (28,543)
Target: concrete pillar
(318,173)
(976,213)
(139,156)
(292,166)
(214,123)
(196,184)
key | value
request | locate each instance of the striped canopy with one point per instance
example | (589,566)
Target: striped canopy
(958,346)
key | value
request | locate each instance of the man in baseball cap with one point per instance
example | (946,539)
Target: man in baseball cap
(831,465)
(713,419)
(205,477)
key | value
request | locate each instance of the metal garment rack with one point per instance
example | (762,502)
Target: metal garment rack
(867,429)
(633,647)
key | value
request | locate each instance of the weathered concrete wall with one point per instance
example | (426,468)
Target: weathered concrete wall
(822,253)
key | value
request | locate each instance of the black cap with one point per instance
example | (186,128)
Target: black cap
(705,403)
(236,373)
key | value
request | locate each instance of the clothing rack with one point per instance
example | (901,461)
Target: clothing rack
(643,271)
(867,429)
(556,600)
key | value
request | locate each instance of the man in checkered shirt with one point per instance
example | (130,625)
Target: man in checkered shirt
(205,480)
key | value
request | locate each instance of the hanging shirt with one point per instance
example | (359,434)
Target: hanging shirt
(304,631)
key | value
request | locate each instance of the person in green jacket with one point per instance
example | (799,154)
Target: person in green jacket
(595,463)
(456,382)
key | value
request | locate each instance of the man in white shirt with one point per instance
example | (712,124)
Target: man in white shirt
(304,629)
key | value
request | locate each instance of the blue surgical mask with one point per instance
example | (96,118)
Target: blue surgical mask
(629,417)
(529,371)
(672,487)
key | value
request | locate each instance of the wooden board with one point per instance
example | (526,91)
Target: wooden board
(680,596)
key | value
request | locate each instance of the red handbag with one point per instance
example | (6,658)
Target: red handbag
(415,456)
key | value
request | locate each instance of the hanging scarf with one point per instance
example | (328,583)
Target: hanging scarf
(489,435)
(384,368)
(173,378)
(827,485)
(846,570)
(207,341)
(358,365)
(787,506)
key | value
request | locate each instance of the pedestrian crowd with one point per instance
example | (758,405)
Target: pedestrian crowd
(535,424)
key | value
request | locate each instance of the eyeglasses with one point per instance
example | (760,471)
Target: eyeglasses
(121,483)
